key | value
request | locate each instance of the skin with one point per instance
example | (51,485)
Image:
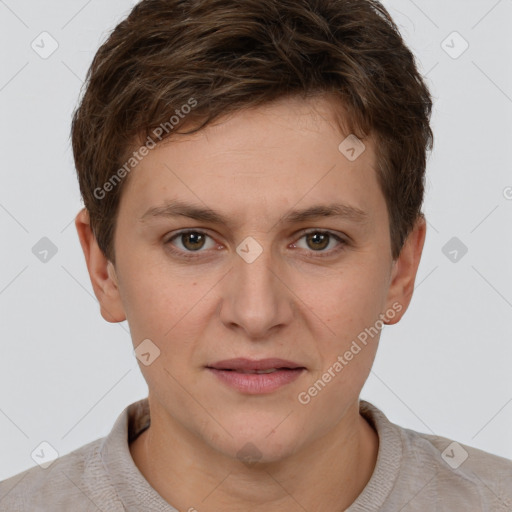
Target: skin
(254,167)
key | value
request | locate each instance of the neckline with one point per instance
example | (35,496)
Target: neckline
(387,466)
(136,492)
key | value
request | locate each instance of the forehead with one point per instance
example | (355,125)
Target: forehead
(278,155)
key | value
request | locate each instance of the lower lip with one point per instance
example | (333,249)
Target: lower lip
(257,383)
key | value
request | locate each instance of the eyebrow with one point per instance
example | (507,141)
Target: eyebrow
(178,208)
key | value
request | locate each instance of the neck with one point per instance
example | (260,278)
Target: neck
(327,474)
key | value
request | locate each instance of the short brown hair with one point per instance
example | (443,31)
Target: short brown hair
(227,55)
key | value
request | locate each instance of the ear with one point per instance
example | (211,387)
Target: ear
(404,271)
(101,271)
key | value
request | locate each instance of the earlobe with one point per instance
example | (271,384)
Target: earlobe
(101,271)
(404,271)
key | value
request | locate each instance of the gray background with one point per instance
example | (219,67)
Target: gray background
(66,374)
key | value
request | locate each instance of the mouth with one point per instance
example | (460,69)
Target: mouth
(256,376)
(254,365)
(259,372)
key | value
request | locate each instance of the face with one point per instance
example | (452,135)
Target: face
(290,259)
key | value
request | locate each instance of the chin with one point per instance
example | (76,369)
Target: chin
(259,443)
(258,453)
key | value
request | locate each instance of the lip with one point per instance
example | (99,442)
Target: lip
(236,373)
(243,364)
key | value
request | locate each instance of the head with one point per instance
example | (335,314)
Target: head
(244,113)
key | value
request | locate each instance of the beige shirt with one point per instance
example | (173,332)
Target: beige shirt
(415,472)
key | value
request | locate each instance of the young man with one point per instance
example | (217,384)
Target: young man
(253,175)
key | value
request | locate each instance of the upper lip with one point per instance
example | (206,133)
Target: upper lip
(243,364)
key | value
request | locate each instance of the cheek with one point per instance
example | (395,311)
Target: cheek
(156,303)
(331,392)
(348,301)
(350,310)
(346,355)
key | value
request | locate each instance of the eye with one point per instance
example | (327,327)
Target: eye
(186,243)
(318,241)
(191,241)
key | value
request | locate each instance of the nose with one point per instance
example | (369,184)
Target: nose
(254,297)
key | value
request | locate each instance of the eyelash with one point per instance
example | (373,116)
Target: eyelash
(316,254)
